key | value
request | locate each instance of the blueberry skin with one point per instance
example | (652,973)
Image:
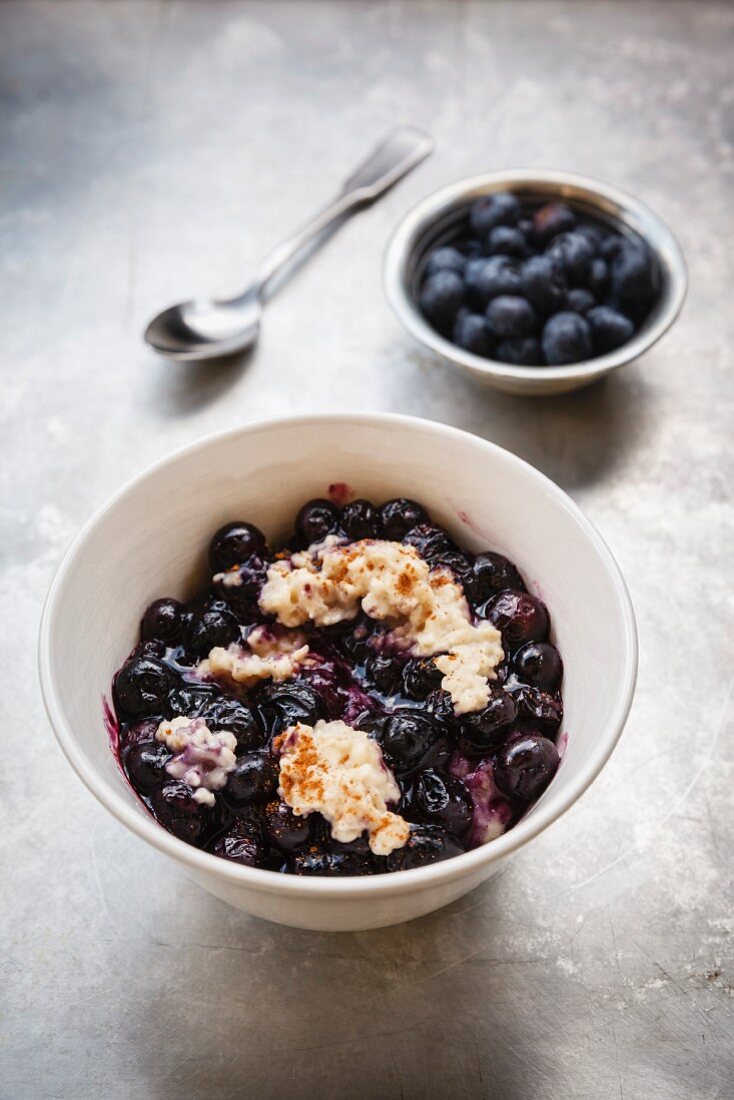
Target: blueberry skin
(505,240)
(544,283)
(579,300)
(254,778)
(412,740)
(539,664)
(283,828)
(175,808)
(316,519)
(566,339)
(398,516)
(441,298)
(632,277)
(333,859)
(510,316)
(538,709)
(235,717)
(472,333)
(360,520)
(426,844)
(282,705)
(501,208)
(593,234)
(141,687)
(240,846)
(609,328)
(519,617)
(234,543)
(598,277)
(487,279)
(444,259)
(484,729)
(491,573)
(214,627)
(574,254)
(525,766)
(552,219)
(163,621)
(440,799)
(145,763)
(190,700)
(421,677)
(523,351)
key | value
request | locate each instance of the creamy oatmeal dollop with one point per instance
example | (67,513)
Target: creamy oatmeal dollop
(328,583)
(265,655)
(339,772)
(202,758)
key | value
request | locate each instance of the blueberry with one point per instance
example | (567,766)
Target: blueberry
(285,704)
(426,844)
(543,283)
(470,248)
(384,673)
(552,219)
(190,700)
(511,316)
(519,617)
(234,543)
(316,520)
(152,648)
(440,706)
(501,208)
(163,621)
(525,766)
(429,540)
(611,246)
(333,859)
(240,587)
(609,328)
(598,277)
(398,516)
(285,829)
(421,677)
(444,259)
(525,225)
(440,799)
(145,763)
(632,276)
(441,297)
(360,520)
(487,279)
(574,254)
(142,686)
(214,627)
(412,740)
(254,778)
(491,573)
(484,729)
(579,300)
(240,846)
(504,240)
(539,664)
(539,709)
(566,339)
(523,351)
(234,716)
(472,333)
(592,233)
(177,810)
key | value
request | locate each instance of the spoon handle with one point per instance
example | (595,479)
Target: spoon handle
(400,151)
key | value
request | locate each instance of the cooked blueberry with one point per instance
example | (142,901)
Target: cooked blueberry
(240,847)
(384,672)
(598,277)
(539,709)
(145,763)
(290,702)
(539,664)
(501,208)
(441,297)
(235,717)
(411,741)
(440,799)
(151,648)
(429,540)
(472,333)
(525,766)
(491,573)
(632,276)
(426,844)
(504,240)
(487,279)
(609,328)
(519,617)
(543,283)
(574,254)
(552,219)
(163,621)
(360,520)
(510,316)
(398,516)
(284,828)
(253,779)
(444,259)
(316,520)
(440,706)
(332,860)
(189,700)
(216,626)
(178,811)
(523,351)
(421,677)
(234,543)
(579,300)
(241,586)
(484,729)
(142,686)
(566,339)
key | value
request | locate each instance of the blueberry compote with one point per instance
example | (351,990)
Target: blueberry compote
(203,750)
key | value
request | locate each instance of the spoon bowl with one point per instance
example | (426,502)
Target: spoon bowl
(204,329)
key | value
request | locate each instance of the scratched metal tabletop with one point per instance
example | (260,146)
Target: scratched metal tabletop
(152,150)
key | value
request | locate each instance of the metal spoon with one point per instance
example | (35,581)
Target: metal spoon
(210,328)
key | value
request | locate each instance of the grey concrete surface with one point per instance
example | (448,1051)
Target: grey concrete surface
(150,150)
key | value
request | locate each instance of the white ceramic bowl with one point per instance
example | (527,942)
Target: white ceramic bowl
(151,540)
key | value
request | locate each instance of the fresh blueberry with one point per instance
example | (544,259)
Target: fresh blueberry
(538,709)
(240,846)
(504,240)
(566,339)
(421,677)
(441,297)
(472,333)
(254,778)
(412,740)
(610,246)
(609,328)
(632,278)
(523,351)
(285,704)
(145,763)
(234,543)
(525,766)
(285,829)
(178,811)
(543,283)
(484,729)
(316,520)
(360,520)
(598,277)
(214,627)
(440,799)
(163,621)
(579,300)
(426,844)
(511,316)
(519,617)
(552,219)
(234,716)
(470,248)
(398,516)
(539,664)
(501,208)
(444,259)
(526,227)
(593,234)
(141,687)
(487,279)
(333,859)
(491,573)
(574,254)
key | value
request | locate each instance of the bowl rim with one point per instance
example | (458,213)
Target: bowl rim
(400,246)
(265,881)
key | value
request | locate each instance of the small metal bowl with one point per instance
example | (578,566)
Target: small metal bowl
(439,220)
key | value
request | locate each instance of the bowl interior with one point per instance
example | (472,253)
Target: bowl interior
(151,541)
